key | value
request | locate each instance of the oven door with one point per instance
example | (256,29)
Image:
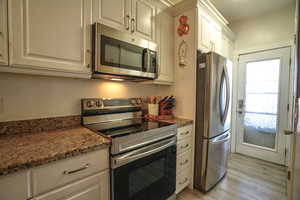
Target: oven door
(148,173)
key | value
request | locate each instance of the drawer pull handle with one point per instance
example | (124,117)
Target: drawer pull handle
(183,147)
(185,133)
(185,162)
(66,172)
(183,182)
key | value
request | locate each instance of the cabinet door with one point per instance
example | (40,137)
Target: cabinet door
(3,33)
(50,35)
(216,33)
(113,13)
(205,37)
(142,21)
(165,36)
(95,187)
(15,186)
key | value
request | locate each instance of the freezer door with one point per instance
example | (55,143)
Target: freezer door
(217,159)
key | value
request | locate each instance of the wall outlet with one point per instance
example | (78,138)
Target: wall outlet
(1,105)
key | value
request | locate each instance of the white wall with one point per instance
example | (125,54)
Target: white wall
(30,97)
(268,29)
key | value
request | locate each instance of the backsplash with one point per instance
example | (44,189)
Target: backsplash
(33,97)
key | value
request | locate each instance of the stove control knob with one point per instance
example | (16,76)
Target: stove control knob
(90,104)
(98,104)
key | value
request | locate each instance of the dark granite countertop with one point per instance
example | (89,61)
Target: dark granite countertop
(179,121)
(23,151)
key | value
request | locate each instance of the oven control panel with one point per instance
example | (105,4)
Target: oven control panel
(92,104)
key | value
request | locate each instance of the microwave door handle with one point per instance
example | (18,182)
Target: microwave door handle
(146,57)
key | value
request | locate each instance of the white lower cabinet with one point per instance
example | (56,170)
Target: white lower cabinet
(95,187)
(15,186)
(83,177)
(184,157)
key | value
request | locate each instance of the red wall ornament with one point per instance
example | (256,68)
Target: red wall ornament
(183,27)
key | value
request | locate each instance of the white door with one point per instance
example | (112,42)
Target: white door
(51,35)
(113,13)
(263,94)
(143,19)
(3,33)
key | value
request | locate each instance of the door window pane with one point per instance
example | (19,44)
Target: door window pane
(261,103)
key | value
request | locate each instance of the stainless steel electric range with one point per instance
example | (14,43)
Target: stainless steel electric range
(143,152)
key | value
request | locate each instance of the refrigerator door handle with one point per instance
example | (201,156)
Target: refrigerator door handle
(223,115)
(221,139)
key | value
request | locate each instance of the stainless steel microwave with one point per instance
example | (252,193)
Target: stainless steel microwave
(118,55)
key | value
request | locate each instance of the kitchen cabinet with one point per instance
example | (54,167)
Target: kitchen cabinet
(112,14)
(83,177)
(3,33)
(133,16)
(184,157)
(50,35)
(15,186)
(95,187)
(227,47)
(165,41)
(210,34)
(143,14)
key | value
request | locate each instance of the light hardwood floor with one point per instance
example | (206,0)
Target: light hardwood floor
(247,179)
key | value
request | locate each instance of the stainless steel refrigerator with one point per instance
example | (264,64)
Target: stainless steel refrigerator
(212,145)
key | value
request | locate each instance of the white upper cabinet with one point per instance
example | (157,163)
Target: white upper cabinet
(50,35)
(115,14)
(227,47)
(134,16)
(204,41)
(165,39)
(3,33)
(143,14)
(210,34)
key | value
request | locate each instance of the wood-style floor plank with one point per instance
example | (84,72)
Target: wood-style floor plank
(247,179)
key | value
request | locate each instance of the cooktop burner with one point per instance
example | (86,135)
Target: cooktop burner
(124,127)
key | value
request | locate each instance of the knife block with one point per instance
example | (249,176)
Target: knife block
(165,113)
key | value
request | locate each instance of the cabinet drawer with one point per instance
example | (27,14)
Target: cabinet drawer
(15,186)
(184,132)
(184,160)
(184,145)
(54,175)
(183,180)
(94,187)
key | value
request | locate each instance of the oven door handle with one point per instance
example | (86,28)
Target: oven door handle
(143,152)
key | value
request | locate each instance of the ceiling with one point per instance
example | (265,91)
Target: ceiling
(235,10)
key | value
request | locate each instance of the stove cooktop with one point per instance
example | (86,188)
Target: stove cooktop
(121,128)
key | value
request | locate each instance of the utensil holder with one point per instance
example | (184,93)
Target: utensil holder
(153,109)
